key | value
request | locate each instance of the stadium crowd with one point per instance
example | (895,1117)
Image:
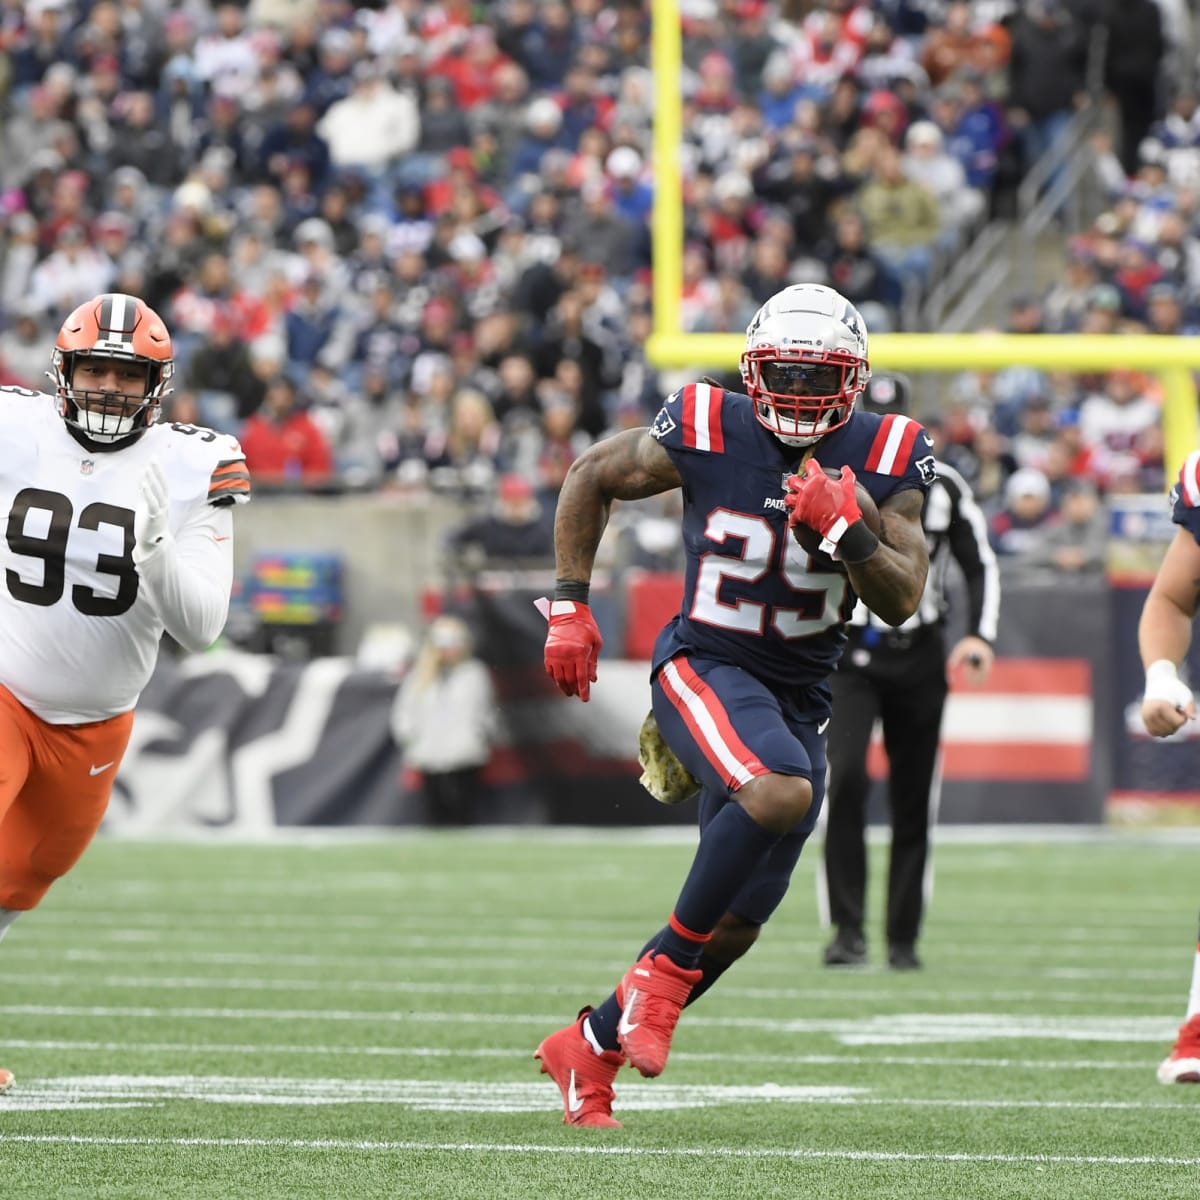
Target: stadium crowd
(406,244)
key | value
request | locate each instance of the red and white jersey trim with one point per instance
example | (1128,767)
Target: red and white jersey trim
(1189,480)
(892,445)
(701,404)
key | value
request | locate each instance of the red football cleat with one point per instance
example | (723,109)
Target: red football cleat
(584,1077)
(652,994)
(7,1079)
(1183,1064)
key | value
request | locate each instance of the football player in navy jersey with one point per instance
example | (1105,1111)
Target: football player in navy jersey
(739,683)
(1164,636)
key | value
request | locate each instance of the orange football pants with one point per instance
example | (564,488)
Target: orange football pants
(55,781)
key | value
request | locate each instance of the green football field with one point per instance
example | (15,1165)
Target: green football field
(356,1018)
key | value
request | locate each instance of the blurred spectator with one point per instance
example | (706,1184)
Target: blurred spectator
(795,181)
(1134,51)
(447,680)
(1165,312)
(1046,75)
(295,139)
(372,126)
(443,126)
(1067,300)
(902,217)
(632,198)
(956,43)
(1075,540)
(311,321)
(221,364)
(1112,417)
(1018,528)
(1178,133)
(562,440)
(975,127)
(283,447)
(515,527)
(610,237)
(856,271)
(1037,432)
(26,347)
(20,259)
(72,273)
(463,458)
(927,162)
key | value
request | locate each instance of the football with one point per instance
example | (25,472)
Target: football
(810,539)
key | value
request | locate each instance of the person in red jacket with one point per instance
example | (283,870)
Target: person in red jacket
(286,447)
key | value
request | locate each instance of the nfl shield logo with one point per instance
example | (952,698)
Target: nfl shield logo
(87,466)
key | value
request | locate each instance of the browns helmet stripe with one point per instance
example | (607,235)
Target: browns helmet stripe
(117,321)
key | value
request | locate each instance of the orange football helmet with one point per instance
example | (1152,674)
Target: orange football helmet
(124,328)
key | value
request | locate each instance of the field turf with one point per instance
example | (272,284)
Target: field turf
(356,1018)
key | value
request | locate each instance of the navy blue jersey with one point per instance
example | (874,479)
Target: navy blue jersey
(752,595)
(1185,496)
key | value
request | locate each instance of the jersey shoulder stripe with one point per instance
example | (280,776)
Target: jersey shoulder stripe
(1189,480)
(893,444)
(701,412)
(229,482)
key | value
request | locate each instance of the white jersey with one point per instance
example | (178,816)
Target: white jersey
(79,633)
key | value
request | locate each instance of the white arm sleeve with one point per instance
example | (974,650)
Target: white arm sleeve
(190,576)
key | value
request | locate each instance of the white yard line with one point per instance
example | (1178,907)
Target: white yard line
(418,1147)
(886,1029)
(208,1049)
(317,838)
(434,987)
(759,965)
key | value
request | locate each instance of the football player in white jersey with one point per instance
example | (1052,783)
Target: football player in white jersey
(116,529)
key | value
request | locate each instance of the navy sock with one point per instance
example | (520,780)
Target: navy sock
(604,1018)
(712,971)
(730,849)
(603,1021)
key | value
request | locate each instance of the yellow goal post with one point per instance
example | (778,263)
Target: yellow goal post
(1173,359)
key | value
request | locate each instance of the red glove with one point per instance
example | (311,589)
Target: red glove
(823,503)
(573,645)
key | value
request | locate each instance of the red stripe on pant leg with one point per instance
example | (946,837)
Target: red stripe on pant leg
(716,713)
(689,934)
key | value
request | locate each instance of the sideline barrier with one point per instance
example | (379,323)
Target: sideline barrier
(248,742)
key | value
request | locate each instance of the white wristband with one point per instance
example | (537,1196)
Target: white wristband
(1163,683)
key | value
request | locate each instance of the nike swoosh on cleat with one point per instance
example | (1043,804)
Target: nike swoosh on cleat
(98,770)
(220,539)
(623,1025)
(574,1103)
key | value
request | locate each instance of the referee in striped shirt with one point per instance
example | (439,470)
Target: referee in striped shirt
(898,675)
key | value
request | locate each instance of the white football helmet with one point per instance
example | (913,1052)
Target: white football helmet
(805,362)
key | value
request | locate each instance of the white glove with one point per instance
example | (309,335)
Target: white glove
(151,532)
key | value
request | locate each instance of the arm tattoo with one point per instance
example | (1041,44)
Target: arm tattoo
(892,580)
(628,466)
